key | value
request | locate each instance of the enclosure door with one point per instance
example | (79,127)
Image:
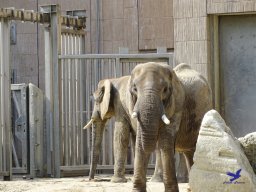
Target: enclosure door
(237,40)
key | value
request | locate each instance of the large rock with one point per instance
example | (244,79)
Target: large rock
(249,145)
(218,155)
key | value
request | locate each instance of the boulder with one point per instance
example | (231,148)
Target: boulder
(249,145)
(219,161)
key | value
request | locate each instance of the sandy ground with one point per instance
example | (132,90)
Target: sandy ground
(77,184)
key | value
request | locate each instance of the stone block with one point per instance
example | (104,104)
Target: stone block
(131,34)
(180,54)
(118,9)
(116,45)
(249,145)
(107,9)
(219,161)
(130,3)
(107,29)
(196,28)
(118,29)
(107,47)
(182,8)
(179,29)
(199,8)
(131,13)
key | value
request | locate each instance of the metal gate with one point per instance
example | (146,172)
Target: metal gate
(20,130)
(79,77)
(51,17)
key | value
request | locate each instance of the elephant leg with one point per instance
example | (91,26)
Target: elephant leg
(140,170)
(166,146)
(158,173)
(182,172)
(189,159)
(121,141)
(133,142)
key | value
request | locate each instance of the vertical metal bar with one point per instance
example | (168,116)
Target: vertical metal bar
(62,123)
(56,49)
(70,104)
(66,104)
(48,100)
(6,97)
(78,106)
(73,66)
(74,101)
(1,95)
(88,92)
(82,96)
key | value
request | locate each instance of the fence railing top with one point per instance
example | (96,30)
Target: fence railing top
(119,56)
(43,16)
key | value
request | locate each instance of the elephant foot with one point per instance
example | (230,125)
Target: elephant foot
(182,179)
(139,190)
(173,189)
(156,178)
(116,179)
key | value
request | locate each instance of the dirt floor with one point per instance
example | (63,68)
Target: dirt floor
(77,184)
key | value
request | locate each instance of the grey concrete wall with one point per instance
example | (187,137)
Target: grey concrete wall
(191,34)
(228,6)
(139,25)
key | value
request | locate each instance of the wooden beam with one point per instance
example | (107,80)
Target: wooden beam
(42,17)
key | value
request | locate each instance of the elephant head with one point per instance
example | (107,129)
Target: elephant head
(153,89)
(101,113)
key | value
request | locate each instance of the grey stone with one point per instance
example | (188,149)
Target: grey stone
(219,154)
(249,145)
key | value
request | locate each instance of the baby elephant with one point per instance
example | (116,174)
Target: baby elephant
(162,108)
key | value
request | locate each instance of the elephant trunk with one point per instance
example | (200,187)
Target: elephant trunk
(149,120)
(97,134)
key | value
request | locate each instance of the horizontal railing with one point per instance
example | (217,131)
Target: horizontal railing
(79,77)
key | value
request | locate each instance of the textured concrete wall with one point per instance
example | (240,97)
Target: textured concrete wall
(191,34)
(155,24)
(228,6)
(24,53)
(138,25)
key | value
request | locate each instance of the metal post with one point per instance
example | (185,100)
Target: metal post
(55,51)
(48,99)
(5,101)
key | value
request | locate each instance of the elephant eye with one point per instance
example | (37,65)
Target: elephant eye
(134,88)
(165,89)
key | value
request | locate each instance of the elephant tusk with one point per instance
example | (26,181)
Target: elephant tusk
(88,124)
(165,119)
(134,115)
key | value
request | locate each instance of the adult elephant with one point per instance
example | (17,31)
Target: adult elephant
(162,108)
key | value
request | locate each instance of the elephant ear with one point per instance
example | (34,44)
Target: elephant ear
(178,92)
(175,100)
(103,97)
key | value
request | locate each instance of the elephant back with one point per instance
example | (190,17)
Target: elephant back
(198,100)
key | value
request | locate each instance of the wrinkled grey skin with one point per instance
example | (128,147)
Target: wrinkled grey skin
(152,90)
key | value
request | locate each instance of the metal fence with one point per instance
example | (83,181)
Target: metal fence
(80,75)
(50,16)
(70,77)
(5,103)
